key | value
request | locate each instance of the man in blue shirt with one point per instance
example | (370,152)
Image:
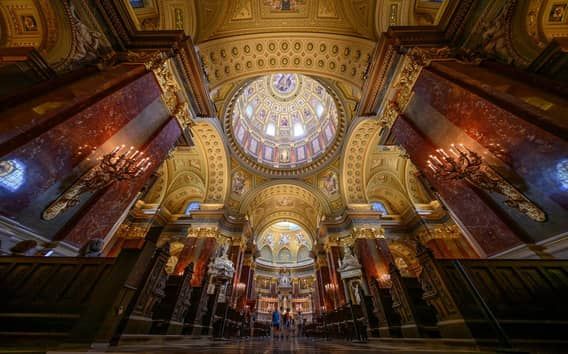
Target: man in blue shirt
(276,323)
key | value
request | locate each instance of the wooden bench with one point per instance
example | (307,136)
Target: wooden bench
(498,300)
(46,301)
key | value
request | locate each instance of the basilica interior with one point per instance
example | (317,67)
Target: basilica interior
(386,175)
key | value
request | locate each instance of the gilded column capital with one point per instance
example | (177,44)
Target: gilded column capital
(415,60)
(158,63)
(368,232)
(445,232)
(203,232)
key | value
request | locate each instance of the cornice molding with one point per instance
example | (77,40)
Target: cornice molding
(174,43)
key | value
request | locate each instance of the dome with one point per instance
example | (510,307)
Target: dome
(284,120)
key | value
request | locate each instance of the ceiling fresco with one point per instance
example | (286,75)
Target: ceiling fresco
(284,120)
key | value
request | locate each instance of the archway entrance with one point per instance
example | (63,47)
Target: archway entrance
(285,273)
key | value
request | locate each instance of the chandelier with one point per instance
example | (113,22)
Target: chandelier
(118,165)
(463,164)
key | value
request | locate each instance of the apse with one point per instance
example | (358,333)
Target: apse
(284,243)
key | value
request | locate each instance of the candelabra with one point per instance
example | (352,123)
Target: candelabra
(384,280)
(330,288)
(462,163)
(240,288)
(118,165)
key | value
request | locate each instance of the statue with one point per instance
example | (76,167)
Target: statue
(93,248)
(222,266)
(284,280)
(330,183)
(356,294)
(239,183)
(284,239)
(23,248)
(349,261)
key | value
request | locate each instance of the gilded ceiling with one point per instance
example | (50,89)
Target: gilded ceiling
(286,77)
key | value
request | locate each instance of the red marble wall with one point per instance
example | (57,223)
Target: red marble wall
(24,122)
(322,278)
(103,213)
(492,233)
(451,249)
(52,156)
(537,157)
(334,255)
(373,261)
(199,252)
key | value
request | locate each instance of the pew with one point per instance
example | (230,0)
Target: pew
(47,301)
(169,314)
(340,324)
(151,290)
(495,301)
(388,318)
(192,312)
(417,317)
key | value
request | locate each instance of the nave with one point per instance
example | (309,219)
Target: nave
(379,175)
(292,345)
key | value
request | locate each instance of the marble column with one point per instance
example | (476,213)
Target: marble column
(516,122)
(49,140)
(479,219)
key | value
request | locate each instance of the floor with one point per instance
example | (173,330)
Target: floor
(292,345)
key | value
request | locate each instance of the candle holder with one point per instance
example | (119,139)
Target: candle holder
(118,165)
(330,288)
(463,164)
(384,280)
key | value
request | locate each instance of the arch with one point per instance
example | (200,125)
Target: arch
(294,187)
(303,253)
(284,255)
(337,57)
(208,136)
(157,192)
(363,132)
(389,191)
(266,253)
(415,190)
(184,187)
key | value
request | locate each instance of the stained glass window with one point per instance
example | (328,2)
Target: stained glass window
(380,207)
(137,3)
(12,174)
(192,207)
(562,173)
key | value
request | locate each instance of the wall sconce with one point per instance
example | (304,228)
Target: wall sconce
(468,165)
(115,166)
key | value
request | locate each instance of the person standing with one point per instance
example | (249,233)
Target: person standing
(276,320)
(287,323)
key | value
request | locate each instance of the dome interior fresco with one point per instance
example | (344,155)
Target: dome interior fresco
(283,243)
(284,120)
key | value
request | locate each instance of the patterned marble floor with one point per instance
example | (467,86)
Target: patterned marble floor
(293,345)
